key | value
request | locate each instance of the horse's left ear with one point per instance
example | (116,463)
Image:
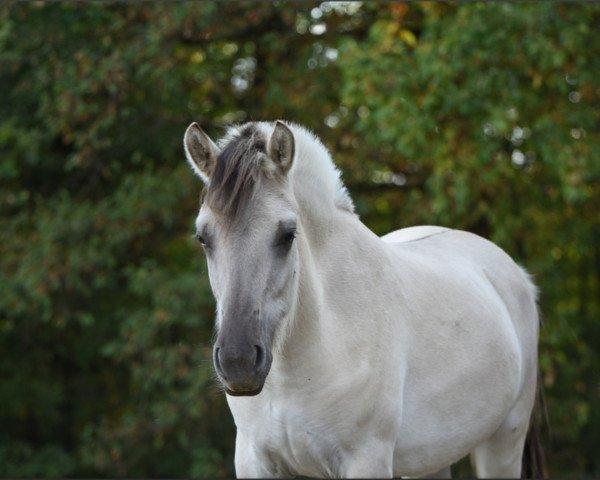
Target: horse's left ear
(282,147)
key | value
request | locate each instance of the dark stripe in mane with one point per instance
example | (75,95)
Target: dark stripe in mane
(236,173)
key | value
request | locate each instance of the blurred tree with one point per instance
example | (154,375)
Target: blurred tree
(483,117)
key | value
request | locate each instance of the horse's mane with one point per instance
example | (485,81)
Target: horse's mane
(239,167)
(237,170)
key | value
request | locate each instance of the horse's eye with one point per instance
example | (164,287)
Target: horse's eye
(200,238)
(287,238)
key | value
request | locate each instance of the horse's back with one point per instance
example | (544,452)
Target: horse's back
(457,245)
(413,233)
(456,252)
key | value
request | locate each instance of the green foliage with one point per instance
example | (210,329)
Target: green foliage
(481,116)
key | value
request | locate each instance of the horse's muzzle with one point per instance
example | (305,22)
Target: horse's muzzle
(242,369)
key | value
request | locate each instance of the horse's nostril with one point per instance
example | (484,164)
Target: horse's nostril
(260,357)
(216,360)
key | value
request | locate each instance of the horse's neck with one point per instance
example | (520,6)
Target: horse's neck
(338,255)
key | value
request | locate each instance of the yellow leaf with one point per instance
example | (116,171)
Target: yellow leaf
(408,37)
(197,57)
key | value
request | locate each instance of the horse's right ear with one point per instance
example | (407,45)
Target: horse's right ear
(200,151)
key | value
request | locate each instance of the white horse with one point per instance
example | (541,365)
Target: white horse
(348,355)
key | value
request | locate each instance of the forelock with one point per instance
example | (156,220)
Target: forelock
(237,171)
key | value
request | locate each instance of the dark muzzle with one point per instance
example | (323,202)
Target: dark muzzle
(242,368)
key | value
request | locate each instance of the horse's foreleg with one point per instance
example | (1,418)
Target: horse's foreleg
(248,464)
(373,459)
(443,473)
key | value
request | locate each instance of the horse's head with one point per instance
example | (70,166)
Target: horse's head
(247,225)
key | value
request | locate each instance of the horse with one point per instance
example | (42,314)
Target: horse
(345,354)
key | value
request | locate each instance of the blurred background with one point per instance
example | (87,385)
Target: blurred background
(483,117)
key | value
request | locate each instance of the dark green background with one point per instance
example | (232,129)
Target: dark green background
(484,117)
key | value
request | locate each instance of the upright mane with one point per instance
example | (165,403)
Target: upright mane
(237,170)
(240,167)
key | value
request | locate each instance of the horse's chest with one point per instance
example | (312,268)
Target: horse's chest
(301,452)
